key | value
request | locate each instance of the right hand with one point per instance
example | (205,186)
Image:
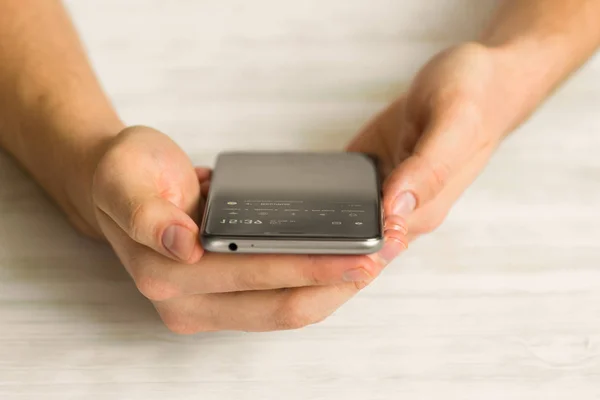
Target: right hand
(146,195)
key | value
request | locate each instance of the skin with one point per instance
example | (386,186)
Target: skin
(436,138)
(134,188)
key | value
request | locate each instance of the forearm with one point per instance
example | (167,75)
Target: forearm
(539,43)
(54,116)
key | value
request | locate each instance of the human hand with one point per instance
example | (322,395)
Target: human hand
(145,186)
(434,141)
(147,194)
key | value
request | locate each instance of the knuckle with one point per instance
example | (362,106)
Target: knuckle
(119,155)
(181,324)
(293,316)
(156,289)
(180,327)
(249,279)
(138,220)
(439,172)
(312,272)
(134,130)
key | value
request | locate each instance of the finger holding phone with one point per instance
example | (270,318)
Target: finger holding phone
(145,188)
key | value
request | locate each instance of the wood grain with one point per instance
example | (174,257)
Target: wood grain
(503,302)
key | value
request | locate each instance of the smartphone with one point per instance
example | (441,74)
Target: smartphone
(293,203)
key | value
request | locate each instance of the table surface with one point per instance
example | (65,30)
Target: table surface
(503,302)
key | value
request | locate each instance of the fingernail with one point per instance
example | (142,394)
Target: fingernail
(405,204)
(179,241)
(357,275)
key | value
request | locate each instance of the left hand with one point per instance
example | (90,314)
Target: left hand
(434,141)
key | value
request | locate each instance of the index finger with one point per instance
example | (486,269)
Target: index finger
(160,278)
(222,273)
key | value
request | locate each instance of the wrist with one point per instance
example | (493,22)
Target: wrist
(531,65)
(61,155)
(522,78)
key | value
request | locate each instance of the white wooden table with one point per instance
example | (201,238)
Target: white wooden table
(503,302)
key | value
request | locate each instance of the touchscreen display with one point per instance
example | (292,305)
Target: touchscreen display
(296,195)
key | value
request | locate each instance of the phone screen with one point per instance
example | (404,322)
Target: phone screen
(294,194)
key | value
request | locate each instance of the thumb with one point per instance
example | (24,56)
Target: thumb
(448,143)
(149,218)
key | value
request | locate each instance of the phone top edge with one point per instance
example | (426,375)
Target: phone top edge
(234,153)
(283,238)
